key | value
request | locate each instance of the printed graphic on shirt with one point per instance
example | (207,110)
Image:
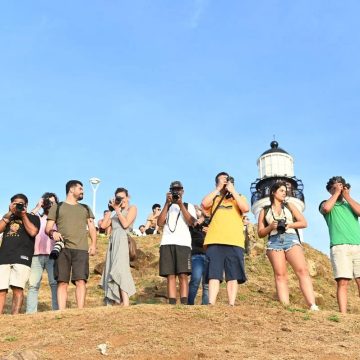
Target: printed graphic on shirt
(14,228)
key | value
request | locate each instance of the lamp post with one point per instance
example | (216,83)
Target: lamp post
(94,184)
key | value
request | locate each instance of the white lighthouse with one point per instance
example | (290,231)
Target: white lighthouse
(275,165)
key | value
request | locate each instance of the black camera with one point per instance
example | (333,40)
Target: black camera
(281,226)
(206,221)
(20,207)
(55,252)
(118,200)
(175,194)
(47,203)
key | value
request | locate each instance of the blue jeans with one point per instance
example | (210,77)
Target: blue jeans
(199,268)
(38,265)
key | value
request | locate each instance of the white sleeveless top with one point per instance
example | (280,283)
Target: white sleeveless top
(285,213)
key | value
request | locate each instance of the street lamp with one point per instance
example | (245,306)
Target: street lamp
(94,184)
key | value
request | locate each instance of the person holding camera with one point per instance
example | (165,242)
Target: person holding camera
(198,259)
(116,280)
(41,260)
(225,237)
(341,213)
(280,222)
(71,250)
(17,248)
(151,226)
(175,246)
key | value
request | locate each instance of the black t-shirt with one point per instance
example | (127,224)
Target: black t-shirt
(197,240)
(17,245)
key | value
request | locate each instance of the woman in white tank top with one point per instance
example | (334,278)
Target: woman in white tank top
(280,224)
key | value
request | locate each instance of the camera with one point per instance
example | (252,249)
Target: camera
(20,207)
(47,203)
(230,179)
(206,221)
(175,194)
(281,226)
(118,200)
(55,252)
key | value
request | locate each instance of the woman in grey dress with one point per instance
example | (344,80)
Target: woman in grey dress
(117,280)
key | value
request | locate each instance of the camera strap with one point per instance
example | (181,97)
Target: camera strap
(217,206)
(177,219)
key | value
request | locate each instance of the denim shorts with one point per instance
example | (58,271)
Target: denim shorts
(282,242)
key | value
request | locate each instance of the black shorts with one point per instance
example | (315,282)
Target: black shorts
(226,258)
(174,260)
(72,261)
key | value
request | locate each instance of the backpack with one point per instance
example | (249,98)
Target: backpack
(266,210)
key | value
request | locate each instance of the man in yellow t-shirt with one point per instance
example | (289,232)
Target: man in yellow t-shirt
(225,237)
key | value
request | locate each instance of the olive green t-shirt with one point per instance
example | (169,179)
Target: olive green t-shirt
(72,224)
(343,224)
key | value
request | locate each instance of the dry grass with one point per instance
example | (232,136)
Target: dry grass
(258,327)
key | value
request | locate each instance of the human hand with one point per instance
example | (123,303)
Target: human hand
(92,250)
(345,192)
(230,188)
(222,181)
(273,225)
(169,198)
(55,235)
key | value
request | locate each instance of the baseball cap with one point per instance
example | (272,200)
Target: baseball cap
(176,184)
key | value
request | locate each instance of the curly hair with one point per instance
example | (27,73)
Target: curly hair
(335,180)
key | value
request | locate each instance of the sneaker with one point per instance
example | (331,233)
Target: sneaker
(314,307)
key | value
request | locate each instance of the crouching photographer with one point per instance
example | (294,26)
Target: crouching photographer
(225,239)
(175,246)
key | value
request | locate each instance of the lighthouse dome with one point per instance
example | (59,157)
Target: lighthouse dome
(275,162)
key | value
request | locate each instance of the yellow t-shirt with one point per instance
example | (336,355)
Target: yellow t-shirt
(226,227)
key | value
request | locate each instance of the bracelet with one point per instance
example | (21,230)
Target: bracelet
(6,221)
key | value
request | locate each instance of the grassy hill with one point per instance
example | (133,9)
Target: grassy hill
(258,327)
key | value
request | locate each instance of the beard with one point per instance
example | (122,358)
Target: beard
(80,197)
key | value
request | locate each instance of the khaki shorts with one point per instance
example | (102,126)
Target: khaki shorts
(345,261)
(14,275)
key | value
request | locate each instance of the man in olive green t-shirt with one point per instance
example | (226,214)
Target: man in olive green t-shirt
(72,220)
(341,214)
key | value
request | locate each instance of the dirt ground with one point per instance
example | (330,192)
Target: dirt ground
(258,327)
(184,332)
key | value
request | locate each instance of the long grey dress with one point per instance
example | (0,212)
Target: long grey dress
(117,272)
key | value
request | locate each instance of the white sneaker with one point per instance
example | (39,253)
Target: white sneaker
(314,307)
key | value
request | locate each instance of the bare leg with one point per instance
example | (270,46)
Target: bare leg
(125,298)
(184,285)
(278,262)
(171,286)
(2,300)
(62,294)
(232,288)
(17,300)
(295,257)
(214,286)
(358,284)
(342,286)
(80,293)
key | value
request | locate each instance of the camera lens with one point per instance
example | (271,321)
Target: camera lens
(20,206)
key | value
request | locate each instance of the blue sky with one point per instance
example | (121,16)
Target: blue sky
(140,93)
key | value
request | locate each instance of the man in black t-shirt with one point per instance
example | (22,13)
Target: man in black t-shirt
(16,251)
